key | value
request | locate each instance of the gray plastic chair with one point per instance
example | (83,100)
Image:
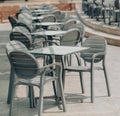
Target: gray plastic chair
(70,38)
(26,18)
(21,34)
(29,21)
(29,72)
(96,53)
(48,18)
(81,28)
(56,13)
(17,45)
(11,46)
(14,22)
(69,24)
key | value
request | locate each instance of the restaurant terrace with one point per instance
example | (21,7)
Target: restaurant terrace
(95,94)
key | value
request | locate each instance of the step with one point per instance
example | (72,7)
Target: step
(92,27)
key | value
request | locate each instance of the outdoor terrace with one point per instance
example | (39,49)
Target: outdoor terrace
(103,106)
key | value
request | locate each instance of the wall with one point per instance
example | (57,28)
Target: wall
(6,10)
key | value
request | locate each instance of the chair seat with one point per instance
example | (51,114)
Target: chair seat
(36,80)
(81,68)
(77,68)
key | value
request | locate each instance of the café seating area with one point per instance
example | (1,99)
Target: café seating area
(46,35)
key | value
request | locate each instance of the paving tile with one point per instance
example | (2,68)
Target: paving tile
(103,106)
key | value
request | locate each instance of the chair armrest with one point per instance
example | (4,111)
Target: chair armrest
(50,42)
(78,58)
(37,44)
(98,54)
(51,65)
(46,69)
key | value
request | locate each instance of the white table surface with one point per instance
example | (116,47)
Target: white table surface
(40,10)
(49,32)
(49,23)
(37,17)
(57,50)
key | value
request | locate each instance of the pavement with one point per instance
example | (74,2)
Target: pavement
(103,105)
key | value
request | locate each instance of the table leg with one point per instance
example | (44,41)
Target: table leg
(59,73)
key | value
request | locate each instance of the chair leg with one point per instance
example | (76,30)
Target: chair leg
(92,83)
(62,95)
(81,82)
(54,88)
(63,78)
(10,86)
(41,88)
(11,100)
(50,60)
(32,97)
(91,86)
(69,60)
(106,79)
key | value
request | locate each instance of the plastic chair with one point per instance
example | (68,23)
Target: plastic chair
(29,18)
(17,45)
(12,21)
(21,34)
(26,18)
(56,13)
(11,46)
(70,38)
(81,28)
(30,73)
(48,18)
(69,24)
(96,53)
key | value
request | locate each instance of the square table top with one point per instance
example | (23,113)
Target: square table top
(49,32)
(49,23)
(39,10)
(57,50)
